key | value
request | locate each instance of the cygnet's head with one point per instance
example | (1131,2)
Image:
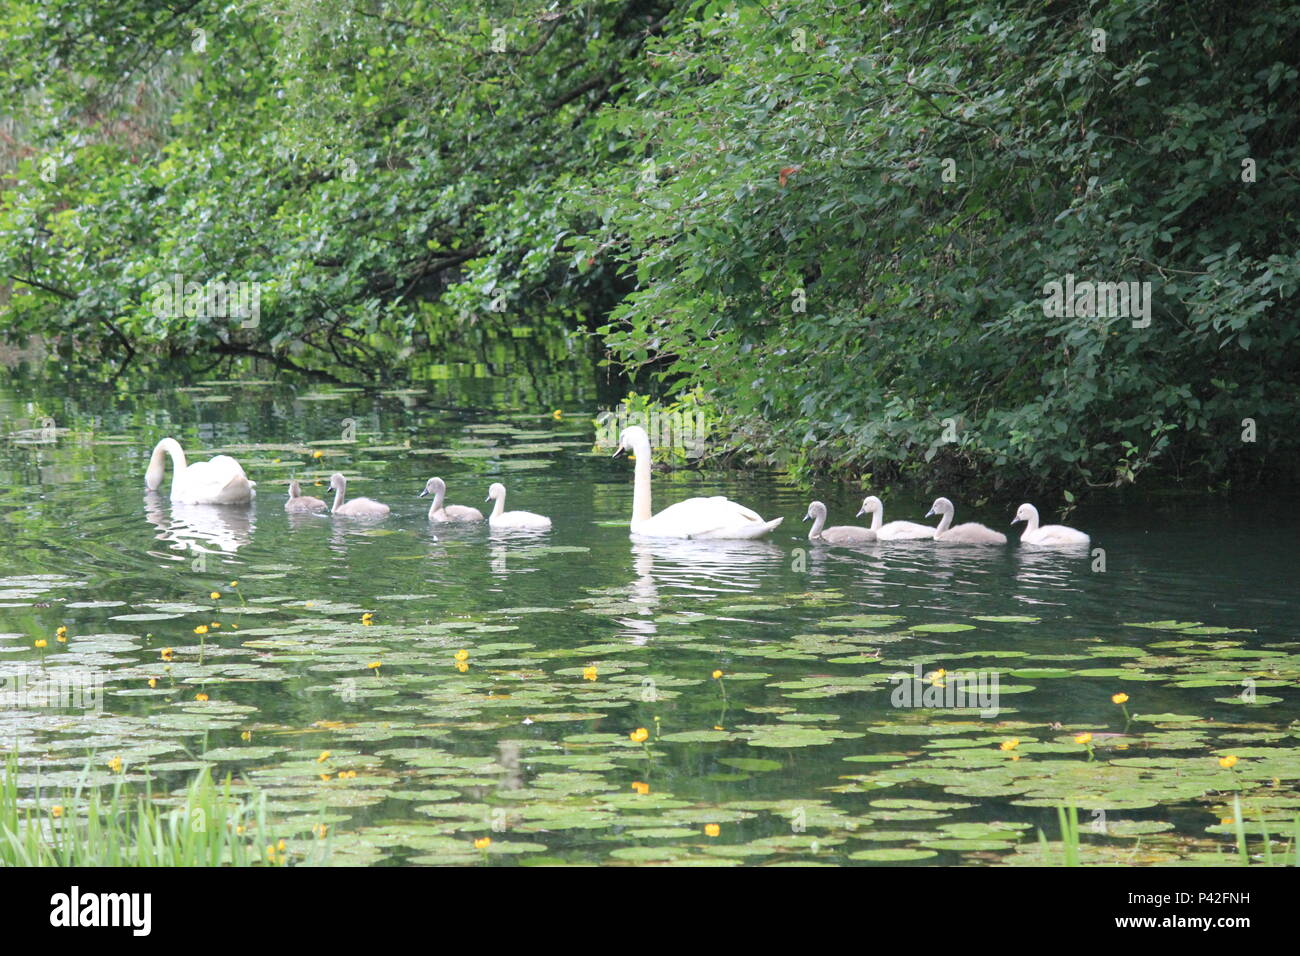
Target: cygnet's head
(1026,512)
(941,506)
(870,505)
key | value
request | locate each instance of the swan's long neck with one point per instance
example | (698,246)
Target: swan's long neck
(819,520)
(499,508)
(944,523)
(437,500)
(877,518)
(1031,523)
(154,475)
(641,482)
(338,495)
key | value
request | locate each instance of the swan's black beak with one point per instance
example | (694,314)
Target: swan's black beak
(423,493)
(488,498)
(1017,520)
(617,451)
(861,512)
(929,513)
(806,517)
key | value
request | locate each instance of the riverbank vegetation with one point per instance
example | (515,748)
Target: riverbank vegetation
(842,222)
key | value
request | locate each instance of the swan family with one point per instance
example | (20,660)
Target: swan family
(222,481)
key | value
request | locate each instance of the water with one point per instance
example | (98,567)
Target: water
(797,754)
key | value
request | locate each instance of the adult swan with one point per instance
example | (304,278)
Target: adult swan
(220,481)
(696,518)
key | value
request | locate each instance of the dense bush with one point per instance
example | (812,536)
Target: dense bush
(837,219)
(798,251)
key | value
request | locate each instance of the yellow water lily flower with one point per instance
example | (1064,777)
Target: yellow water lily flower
(39,642)
(56,811)
(482,843)
(201,629)
(461,655)
(1011,744)
(1227,763)
(1119,699)
(153,682)
(200,697)
(215,595)
(167,653)
(1083,739)
(246,735)
(374,665)
(115,765)
(589,673)
(712,829)
(717,675)
(558,414)
(324,755)
(641,788)
(640,735)
(462,666)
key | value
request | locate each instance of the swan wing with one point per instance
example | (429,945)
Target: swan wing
(218,481)
(1060,535)
(703,518)
(904,531)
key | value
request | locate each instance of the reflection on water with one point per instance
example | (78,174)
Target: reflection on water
(547,604)
(200,528)
(707,567)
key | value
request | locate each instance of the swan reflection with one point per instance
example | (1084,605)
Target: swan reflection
(210,529)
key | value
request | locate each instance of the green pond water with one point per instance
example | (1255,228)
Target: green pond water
(798,754)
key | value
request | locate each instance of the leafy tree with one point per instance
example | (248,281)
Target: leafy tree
(841,219)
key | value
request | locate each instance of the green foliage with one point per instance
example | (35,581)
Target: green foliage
(797,249)
(210,827)
(378,169)
(838,219)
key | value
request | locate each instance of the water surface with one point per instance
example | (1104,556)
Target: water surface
(797,754)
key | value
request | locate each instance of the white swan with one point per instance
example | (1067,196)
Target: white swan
(840,534)
(969,533)
(298,502)
(1049,535)
(895,530)
(697,518)
(220,481)
(357,507)
(438,512)
(516,520)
